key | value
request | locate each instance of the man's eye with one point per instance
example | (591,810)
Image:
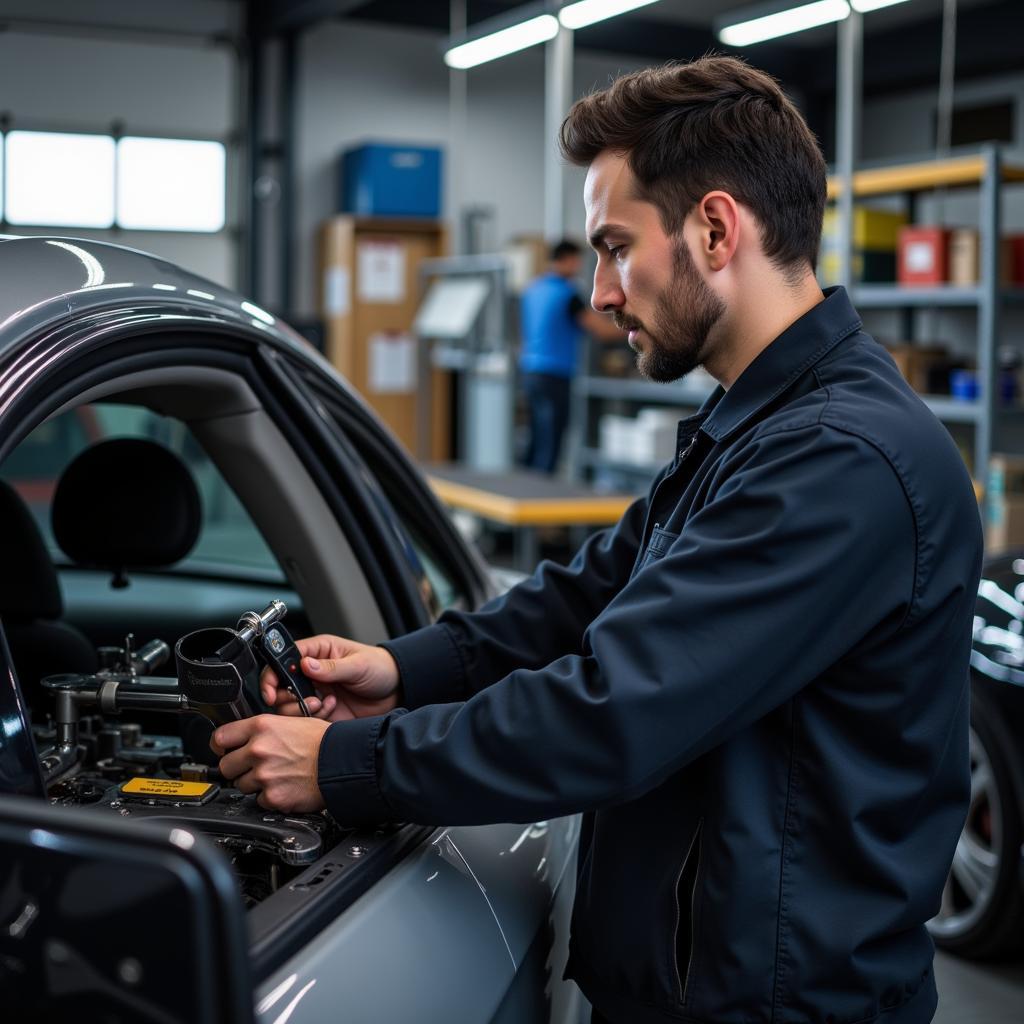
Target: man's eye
(616,251)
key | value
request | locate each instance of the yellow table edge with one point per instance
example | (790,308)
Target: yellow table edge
(531,511)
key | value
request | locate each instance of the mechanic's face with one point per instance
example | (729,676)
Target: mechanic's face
(646,277)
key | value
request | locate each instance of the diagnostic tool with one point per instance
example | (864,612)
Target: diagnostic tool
(274,646)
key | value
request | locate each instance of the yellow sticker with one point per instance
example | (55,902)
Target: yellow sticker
(165,787)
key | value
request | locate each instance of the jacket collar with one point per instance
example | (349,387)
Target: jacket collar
(801,345)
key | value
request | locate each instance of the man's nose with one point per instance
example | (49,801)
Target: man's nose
(607,295)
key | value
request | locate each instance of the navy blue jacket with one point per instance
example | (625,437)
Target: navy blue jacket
(756,685)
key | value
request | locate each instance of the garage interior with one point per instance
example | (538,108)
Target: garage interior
(348,176)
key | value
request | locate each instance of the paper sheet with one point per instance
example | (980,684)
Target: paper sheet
(392,364)
(381,272)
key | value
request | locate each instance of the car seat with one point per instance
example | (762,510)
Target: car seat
(31,604)
(126,503)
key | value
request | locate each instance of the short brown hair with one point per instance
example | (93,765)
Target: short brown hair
(714,123)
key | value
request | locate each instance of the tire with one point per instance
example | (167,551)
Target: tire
(982,915)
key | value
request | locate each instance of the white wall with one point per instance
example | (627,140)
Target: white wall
(85,83)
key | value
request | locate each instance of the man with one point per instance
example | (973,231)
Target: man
(756,685)
(553,321)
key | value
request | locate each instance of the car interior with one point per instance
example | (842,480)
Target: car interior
(123,550)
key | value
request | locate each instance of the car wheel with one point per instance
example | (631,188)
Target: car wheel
(981,914)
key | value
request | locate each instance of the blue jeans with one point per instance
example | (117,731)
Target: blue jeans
(547,398)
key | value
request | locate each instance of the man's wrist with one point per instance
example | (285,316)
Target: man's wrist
(347,772)
(429,667)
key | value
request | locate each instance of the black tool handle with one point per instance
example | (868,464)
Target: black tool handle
(279,651)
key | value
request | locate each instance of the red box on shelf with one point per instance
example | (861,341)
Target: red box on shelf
(923,255)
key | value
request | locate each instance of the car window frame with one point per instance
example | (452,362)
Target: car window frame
(407,491)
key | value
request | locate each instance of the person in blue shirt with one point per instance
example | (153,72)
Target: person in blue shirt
(554,320)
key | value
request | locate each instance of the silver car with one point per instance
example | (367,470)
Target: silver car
(135,885)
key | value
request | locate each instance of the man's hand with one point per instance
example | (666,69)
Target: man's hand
(274,757)
(352,680)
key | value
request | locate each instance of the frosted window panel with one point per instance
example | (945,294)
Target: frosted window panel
(170,184)
(61,179)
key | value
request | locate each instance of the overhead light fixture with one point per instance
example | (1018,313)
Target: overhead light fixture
(782,23)
(587,12)
(863,6)
(502,42)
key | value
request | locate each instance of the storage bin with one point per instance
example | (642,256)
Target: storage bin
(387,180)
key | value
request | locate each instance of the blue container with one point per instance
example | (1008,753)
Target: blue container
(963,385)
(385,180)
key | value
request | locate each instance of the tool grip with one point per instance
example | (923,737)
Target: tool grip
(279,650)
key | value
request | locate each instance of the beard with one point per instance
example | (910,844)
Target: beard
(683,317)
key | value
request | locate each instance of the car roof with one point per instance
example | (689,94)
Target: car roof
(44,278)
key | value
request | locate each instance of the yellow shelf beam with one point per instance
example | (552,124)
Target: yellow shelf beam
(917,177)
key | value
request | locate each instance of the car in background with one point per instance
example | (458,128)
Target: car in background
(982,913)
(126,387)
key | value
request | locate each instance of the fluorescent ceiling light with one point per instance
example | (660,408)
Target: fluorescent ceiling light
(502,43)
(587,12)
(863,6)
(796,19)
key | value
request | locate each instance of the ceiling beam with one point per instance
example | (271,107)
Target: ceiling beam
(284,17)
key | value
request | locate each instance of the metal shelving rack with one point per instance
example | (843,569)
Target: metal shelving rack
(984,170)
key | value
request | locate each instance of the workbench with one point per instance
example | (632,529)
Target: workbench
(524,500)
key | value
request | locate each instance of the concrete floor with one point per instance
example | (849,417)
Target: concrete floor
(971,993)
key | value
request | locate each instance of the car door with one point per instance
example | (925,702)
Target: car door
(93,360)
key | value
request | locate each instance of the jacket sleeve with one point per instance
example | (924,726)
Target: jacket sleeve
(537,621)
(805,547)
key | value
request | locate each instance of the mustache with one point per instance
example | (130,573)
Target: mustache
(626,323)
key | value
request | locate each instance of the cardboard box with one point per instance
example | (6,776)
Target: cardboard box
(965,257)
(1005,526)
(917,364)
(527,257)
(923,255)
(1005,475)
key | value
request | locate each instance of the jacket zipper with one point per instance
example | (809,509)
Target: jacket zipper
(683,984)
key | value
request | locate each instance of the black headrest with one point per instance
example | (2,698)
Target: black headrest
(126,504)
(28,583)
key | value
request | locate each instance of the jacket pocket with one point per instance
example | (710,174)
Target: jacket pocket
(686,913)
(661,540)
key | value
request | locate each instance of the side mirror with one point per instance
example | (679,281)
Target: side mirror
(105,920)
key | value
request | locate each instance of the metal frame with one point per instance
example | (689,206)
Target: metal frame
(489,334)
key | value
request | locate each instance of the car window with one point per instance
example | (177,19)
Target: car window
(388,481)
(229,543)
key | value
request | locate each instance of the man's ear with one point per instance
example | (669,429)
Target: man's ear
(717,219)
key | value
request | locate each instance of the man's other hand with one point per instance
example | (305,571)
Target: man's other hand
(352,680)
(274,757)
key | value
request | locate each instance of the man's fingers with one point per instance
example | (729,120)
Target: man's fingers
(323,645)
(322,708)
(334,670)
(235,764)
(246,783)
(233,734)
